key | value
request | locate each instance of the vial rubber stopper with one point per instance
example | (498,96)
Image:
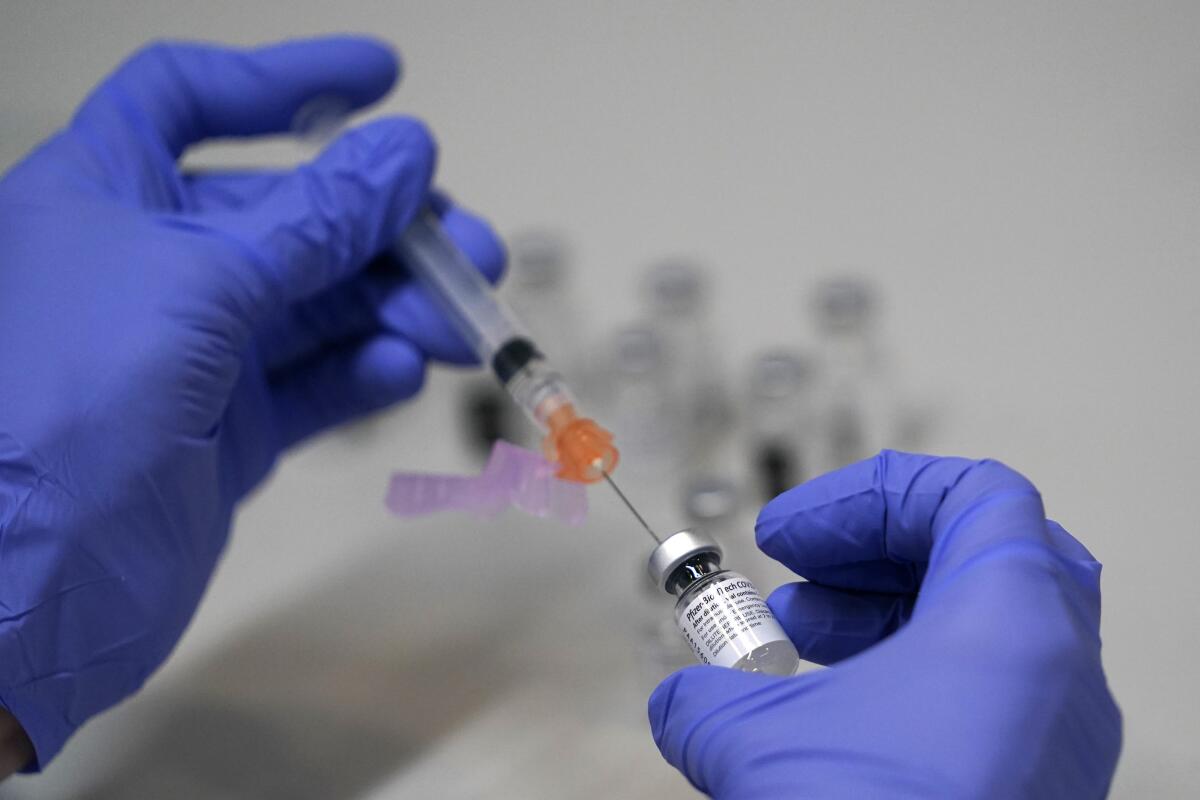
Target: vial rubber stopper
(676,550)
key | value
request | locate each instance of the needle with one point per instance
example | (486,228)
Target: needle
(629,505)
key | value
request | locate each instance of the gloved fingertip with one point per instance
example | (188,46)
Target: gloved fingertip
(786,603)
(770,522)
(696,685)
(389,139)
(360,67)
(440,202)
(1069,546)
(678,686)
(692,711)
(658,707)
(828,624)
(820,492)
(827,520)
(390,369)
(663,697)
(381,56)
(780,599)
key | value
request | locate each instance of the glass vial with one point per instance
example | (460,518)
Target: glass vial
(780,422)
(720,613)
(644,414)
(857,408)
(710,501)
(677,291)
(539,291)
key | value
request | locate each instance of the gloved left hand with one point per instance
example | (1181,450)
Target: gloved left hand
(164,336)
(962,627)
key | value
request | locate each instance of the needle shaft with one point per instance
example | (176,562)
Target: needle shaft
(629,505)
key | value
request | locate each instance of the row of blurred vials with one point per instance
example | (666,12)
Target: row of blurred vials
(703,445)
(700,441)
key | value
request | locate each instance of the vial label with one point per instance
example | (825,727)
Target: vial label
(727,621)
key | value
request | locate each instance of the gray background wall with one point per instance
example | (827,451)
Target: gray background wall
(1021,179)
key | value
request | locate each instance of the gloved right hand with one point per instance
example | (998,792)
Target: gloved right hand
(962,627)
(164,336)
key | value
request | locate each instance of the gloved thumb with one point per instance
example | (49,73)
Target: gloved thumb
(705,720)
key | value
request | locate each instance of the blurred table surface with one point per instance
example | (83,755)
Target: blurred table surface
(1022,180)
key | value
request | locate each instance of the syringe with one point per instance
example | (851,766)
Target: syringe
(583,450)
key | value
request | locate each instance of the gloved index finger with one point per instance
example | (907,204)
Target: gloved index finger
(183,92)
(411,312)
(868,525)
(323,222)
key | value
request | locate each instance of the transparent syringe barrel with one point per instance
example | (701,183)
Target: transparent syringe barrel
(457,287)
(541,391)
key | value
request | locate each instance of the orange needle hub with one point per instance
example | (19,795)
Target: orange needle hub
(582,449)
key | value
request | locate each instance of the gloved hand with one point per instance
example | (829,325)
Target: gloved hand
(963,627)
(164,336)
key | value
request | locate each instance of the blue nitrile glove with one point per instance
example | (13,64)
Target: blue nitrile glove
(164,336)
(963,627)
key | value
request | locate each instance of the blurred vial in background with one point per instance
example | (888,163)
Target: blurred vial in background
(780,421)
(710,502)
(676,293)
(857,402)
(644,417)
(488,415)
(538,288)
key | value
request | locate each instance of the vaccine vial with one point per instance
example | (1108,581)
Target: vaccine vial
(720,613)
(678,293)
(857,399)
(780,422)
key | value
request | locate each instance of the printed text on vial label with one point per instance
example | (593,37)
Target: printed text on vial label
(727,621)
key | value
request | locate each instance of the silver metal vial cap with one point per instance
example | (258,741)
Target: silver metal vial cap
(675,550)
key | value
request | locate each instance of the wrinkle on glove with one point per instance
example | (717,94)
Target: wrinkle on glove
(512,478)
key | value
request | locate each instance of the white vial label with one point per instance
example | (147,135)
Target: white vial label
(727,621)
